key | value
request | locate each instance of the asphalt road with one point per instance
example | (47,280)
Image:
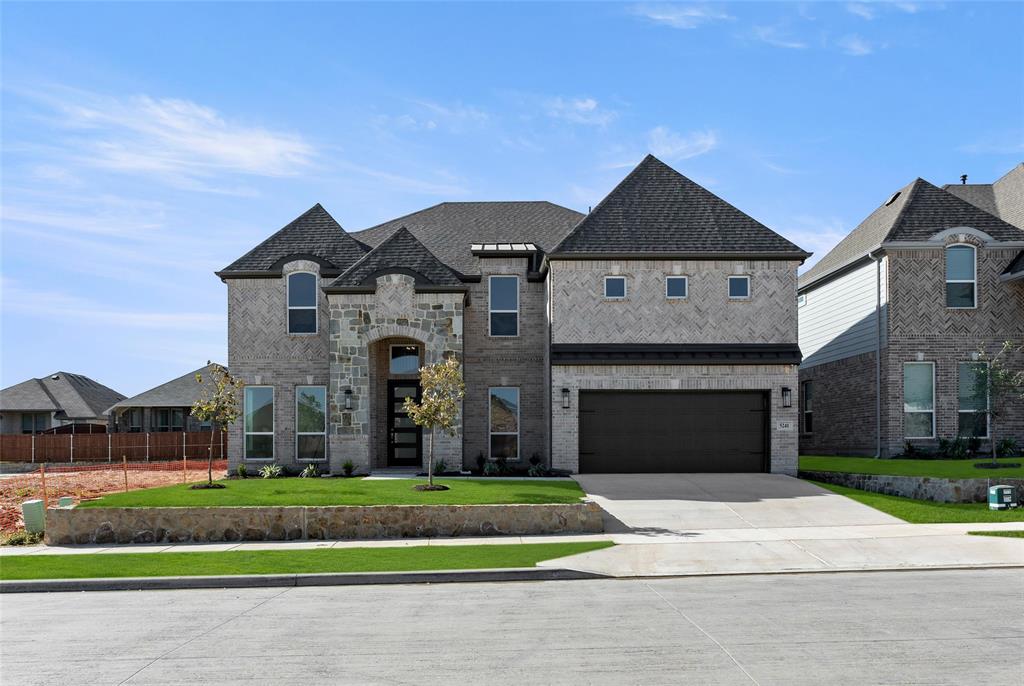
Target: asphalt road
(932,627)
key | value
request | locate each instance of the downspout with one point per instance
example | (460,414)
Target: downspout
(878,353)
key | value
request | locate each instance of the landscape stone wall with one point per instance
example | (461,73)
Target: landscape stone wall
(919,487)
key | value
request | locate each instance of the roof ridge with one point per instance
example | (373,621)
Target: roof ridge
(401,231)
(341,231)
(911,192)
(399,218)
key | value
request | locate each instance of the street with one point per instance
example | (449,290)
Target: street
(934,627)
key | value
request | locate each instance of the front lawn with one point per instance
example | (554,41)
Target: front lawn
(1004,534)
(925,511)
(945,469)
(306,561)
(321,492)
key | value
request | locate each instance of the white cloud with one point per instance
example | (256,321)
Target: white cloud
(861,10)
(579,111)
(772,36)
(433,116)
(814,234)
(679,16)
(911,7)
(663,142)
(855,45)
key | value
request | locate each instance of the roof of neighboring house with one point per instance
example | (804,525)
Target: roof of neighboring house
(655,209)
(1015,270)
(448,230)
(73,396)
(399,251)
(179,392)
(313,234)
(916,212)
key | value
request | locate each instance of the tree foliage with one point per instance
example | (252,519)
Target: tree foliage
(1000,382)
(217,404)
(442,390)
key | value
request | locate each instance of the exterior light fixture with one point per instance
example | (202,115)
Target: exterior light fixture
(348,398)
(565,398)
(787,396)
(920,357)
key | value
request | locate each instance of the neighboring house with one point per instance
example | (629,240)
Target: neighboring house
(167,407)
(928,279)
(51,402)
(657,333)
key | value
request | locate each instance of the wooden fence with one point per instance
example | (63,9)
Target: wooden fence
(136,447)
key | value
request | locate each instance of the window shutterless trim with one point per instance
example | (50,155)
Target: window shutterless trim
(988,401)
(273,426)
(315,306)
(686,287)
(805,412)
(299,434)
(491,310)
(905,412)
(745,277)
(625,287)
(973,282)
(502,433)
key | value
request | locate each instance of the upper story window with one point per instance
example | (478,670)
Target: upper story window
(405,359)
(504,305)
(961,276)
(739,287)
(615,287)
(676,287)
(302,313)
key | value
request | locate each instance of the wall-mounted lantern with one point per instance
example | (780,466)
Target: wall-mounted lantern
(565,398)
(787,396)
(348,398)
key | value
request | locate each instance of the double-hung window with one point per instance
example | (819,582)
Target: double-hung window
(311,423)
(973,399)
(302,315)
(919,400)
(807,390)
(259,422)
(961,277)
(504,422)
(739,287)
(504,305)
(676,287)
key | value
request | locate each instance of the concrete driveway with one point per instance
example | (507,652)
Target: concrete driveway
(675,504)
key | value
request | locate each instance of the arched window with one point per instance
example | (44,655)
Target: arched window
(302,317)
(961,276)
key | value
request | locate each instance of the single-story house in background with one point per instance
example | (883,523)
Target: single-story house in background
(166,407)
(58,402)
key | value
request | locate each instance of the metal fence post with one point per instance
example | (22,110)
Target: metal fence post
(72,447)
(109,456)
(147,446)
(183,444)
(33,448)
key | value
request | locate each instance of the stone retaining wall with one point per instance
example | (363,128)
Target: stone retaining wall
(919,487)
(196,524)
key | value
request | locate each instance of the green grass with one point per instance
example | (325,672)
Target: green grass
(927,512)
(1004,534)
(319,492)
(946,469)
(315,561)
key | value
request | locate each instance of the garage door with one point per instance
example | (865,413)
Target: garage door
(647,431)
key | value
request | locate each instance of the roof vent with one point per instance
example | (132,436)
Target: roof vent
(55,377)
(963,179)
(892,198)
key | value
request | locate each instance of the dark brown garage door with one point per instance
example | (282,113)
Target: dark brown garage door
(652,431)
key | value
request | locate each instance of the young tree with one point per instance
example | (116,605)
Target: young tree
(997,384)
(218,405)
(442,391)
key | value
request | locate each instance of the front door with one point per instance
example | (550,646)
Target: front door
(405,439)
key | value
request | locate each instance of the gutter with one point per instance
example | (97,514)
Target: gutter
(878,351)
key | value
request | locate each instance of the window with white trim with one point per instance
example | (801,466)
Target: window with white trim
(801,300)
(302,310)
(259,422)
(739,287)
(973,400)
(503,420)
(504,305)
(807,393)
(677,287)
(615,287)
(311,423)
(919,400)
(961,276)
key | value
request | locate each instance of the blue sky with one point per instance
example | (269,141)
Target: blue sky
(146,145)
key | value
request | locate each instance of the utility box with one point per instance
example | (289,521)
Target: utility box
(65,501)
(1001,498)
(34,514)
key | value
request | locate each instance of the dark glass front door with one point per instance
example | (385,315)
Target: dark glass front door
(405,439)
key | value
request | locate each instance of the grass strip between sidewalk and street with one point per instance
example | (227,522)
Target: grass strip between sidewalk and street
(300,561)
(926,511)
(936,469)
(1003,534)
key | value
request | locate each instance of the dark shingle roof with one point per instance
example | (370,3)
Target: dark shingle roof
(400,251)
(914,213)
(447,230)
(1015,270)
(655,209)
(314,233)
(180,392)
(73,395)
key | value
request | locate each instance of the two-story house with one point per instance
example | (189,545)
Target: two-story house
(656,333)
(893,319)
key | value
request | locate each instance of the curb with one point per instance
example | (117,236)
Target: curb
(293,580)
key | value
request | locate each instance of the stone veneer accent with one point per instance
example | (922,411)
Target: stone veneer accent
(565,422)
(196,524)
(920,487)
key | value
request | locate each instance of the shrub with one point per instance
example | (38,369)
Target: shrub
(440,467)
(21,538)
(537,470)
(348,467)
(481,461)
(491,469)
(973,446)
(271,471)
(502,465)
(310,471)
(1007,448)
(241,471)
(955,449)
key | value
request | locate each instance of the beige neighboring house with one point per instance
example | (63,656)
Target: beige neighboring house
(56,402)
(167,407)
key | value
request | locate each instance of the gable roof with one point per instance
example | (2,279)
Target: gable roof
(655,209)
(179,392)
(399,252)
(73,396)
(314,235)
(916,212)
(449,229)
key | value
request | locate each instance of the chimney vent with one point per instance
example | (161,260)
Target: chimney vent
(963,179)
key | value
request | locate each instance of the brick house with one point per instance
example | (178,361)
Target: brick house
(656,333)
(891,319)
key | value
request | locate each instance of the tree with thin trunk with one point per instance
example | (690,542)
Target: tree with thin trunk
(998,382)
(442,390)
(217,404)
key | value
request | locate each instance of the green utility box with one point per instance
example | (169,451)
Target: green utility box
(34,514)
(1001,498)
